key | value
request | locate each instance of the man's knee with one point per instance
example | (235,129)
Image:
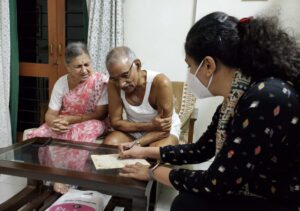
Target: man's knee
(112,139)
(173,140)
(116,138)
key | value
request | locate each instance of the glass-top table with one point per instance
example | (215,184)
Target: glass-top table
(47,159)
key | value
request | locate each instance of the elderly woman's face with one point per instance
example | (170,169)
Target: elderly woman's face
(80,68)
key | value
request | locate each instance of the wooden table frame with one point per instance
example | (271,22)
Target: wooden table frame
(140,193)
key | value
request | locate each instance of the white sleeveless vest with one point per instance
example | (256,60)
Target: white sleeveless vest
(145,112)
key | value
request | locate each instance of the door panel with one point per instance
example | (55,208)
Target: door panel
(44,29)
(33,31)
(36,40)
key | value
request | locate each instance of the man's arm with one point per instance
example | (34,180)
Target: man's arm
(164,103)
(164,96)
(115,108)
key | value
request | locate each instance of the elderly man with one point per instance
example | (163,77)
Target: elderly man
(147,99)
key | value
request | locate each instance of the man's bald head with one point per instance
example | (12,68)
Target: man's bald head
(118,55)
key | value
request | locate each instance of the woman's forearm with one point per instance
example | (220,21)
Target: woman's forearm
(151,152)
(49,119)
(85,117)
(161,174)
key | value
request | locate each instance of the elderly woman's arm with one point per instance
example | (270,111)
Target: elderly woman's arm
(100,113)
(50,116)
(60,123)
(55,122)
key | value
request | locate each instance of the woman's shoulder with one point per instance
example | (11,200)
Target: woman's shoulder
(101,76)
(273,87)
(271,91)
(62,81)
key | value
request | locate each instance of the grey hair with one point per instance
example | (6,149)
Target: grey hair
(117,54)
(75,49)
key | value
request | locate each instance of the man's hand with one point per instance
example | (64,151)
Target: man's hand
(162,124)
(136,171)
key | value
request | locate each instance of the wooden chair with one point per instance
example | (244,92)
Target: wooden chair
(184,103)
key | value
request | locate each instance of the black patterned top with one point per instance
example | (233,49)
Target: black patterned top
(261,152)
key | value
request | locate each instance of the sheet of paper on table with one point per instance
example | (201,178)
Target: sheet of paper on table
(111,161)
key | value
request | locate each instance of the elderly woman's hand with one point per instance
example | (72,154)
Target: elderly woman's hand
(136,171)
(60,125)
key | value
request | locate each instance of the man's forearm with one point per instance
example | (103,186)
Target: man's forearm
(127,126)
(152,137)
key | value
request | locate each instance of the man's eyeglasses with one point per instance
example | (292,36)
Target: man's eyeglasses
(124,75)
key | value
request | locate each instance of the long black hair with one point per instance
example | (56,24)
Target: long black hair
(258,46)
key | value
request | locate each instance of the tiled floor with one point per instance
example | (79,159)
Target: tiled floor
(10,185)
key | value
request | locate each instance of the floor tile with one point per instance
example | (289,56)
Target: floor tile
(14,180)
(8,190)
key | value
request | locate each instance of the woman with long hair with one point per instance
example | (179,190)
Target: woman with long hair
(254,134)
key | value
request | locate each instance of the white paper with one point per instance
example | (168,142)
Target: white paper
(111,161)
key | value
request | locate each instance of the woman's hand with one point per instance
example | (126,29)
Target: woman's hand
(127,150)
(137,171)
(60,125)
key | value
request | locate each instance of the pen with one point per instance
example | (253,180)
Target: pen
(135,142)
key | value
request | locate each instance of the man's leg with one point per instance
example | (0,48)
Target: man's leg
(116,138)
(170,140)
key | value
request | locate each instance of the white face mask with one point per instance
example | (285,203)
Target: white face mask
(196,86)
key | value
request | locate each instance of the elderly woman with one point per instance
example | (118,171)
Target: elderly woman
(77,108)
(78,104)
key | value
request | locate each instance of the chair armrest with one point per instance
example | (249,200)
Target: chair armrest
(193,118)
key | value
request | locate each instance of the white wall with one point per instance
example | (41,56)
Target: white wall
(156,30)
(287,9)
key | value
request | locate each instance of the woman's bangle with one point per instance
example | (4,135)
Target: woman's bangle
(151,171)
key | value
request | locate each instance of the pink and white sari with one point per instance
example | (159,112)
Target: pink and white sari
(80,100)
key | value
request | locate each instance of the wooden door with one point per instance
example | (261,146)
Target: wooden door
(37,39)
(43,31)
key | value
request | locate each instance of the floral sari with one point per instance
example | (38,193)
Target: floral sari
(80,100)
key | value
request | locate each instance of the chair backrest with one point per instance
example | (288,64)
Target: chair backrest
(184,103)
